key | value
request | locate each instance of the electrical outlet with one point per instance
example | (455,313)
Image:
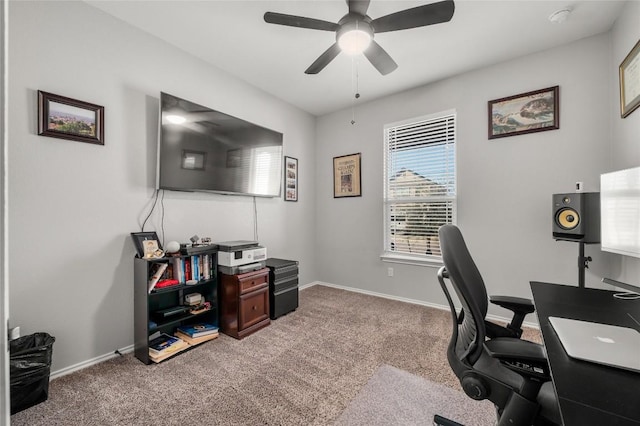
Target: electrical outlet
(390,272)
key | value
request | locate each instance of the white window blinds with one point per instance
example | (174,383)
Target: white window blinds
(419,183)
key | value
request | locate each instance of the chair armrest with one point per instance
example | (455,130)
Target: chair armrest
(514,304)
(526,358)
(520,308)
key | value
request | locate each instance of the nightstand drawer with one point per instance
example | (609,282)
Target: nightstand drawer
(254,307)
(253,281)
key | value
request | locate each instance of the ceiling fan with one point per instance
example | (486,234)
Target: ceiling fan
(356,30)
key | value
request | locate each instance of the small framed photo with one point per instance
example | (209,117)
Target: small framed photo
(630,82)
(66,118)
(529,112)
(290,179)
(346,176)
(147,245)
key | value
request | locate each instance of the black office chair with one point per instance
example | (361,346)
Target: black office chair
(510,372)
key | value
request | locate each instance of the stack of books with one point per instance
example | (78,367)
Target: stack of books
(197,333)
(164,346)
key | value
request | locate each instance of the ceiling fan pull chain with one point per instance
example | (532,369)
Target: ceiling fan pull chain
(354,72)
(357,81)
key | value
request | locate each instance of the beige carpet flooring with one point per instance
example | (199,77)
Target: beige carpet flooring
(303,369)
(395,397)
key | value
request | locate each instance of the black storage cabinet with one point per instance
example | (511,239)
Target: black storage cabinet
(29,370)
(283,286)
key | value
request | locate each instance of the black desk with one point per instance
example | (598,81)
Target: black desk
(589,394)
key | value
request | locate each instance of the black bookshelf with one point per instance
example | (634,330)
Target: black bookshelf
(148,305)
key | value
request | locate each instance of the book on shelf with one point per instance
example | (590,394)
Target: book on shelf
(178,348)
(206,265)
(166,283)
(196,340)
(165,344)
(198,330)
(159,269)
(195,267)
(178,271)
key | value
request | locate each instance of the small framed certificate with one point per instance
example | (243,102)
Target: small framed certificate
(630,82)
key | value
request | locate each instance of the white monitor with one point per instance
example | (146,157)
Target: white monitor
(620,212)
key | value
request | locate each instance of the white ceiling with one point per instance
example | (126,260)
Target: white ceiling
(233,36)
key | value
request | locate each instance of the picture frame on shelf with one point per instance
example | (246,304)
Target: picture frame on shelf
(290,179)
(147,245)
(347,176)
(67,118)
(629,72)
(529,112)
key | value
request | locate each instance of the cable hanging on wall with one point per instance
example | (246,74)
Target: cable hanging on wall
(162,216)
(255,220)
(155,201)
(153,207)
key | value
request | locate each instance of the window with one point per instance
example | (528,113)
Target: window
(419,185)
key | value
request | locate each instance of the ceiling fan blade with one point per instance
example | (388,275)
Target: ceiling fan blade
(299,21)
(358,6)
(420,16)
(324,59)
(379,58)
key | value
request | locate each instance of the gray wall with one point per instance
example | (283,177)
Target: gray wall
(72,205)
(504,185)
(625,143)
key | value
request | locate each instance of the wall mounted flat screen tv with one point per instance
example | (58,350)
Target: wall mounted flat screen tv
(620,212)
(201,149)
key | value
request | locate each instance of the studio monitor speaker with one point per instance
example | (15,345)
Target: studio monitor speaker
(576,217)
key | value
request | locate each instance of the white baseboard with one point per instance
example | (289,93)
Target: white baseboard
(127,349)
(89,362)
(413,301)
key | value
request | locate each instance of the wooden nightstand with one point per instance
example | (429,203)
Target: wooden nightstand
(244,303)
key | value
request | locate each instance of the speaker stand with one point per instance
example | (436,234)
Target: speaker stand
(583,263)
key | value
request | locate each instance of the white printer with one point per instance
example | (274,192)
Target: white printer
(240,256)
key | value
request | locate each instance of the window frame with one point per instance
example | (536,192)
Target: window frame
(414,258)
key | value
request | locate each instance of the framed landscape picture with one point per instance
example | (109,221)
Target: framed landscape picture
(529,112)
(66,118)
(346,176)
(290,179)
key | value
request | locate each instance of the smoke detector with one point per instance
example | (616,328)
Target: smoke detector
(559,16)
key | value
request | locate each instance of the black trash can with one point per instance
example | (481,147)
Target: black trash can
(29,370)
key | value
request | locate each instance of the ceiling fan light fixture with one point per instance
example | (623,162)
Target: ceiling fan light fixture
(354,42)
